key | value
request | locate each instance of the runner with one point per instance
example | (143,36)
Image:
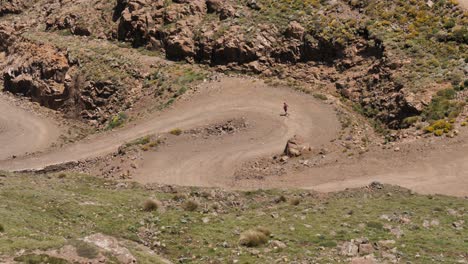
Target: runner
(285,107)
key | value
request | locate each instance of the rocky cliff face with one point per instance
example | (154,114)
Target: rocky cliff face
(329,44)
(189,30)
(39,72)
(11,7)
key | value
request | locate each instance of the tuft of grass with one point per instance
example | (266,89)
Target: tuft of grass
(328,244)
(117,121)
(375,225)
(439,127)
(409,121)
(320,96)
(264,230)
(140,141)
(191,205)
(295,201)
(428,129)
(151,205)
(254,237)
(176,132)
(439,132)
(443,105)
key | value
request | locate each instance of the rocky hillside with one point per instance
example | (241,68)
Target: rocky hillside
(388,58)
(67,218)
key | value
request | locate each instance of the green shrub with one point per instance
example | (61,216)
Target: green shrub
(439,127)
(117,121)
(439,132)
(329,244)
(140,141)
(409,121)
(442,124)
(442,106)
(2,229)
(176,132)
(463,124)
(429,129)
(320,96)
(375,225)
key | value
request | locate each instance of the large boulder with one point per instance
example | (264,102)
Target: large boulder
(295,147)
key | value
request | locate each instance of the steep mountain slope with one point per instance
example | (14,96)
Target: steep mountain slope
(388,57)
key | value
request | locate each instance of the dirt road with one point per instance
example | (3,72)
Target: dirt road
(22,131)
(464,3)
(204,162)
(220,100)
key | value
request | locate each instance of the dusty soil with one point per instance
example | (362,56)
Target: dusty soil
(231,98)
(22,131)
(464,3)
(202,158)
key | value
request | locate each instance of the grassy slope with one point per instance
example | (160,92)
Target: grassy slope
(41,212)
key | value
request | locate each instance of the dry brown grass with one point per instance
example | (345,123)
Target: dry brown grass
(151,205)
(295,201)
(254,237)
(191,205)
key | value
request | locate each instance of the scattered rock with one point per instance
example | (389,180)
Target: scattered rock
(364,260)
(458,224)
(278,244)
(349,249)
(366,249)
(111,245)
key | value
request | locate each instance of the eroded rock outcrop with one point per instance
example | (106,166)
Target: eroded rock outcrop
(11,7)
(38,72)
(356,65)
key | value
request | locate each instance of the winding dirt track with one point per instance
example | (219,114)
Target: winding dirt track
(237,98)
(22,131)
(204,163)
